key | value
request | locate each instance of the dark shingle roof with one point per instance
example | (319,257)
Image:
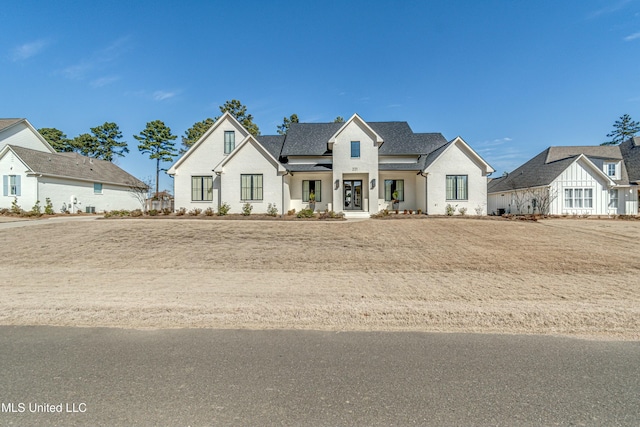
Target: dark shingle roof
(630,150)
(548,165)
(5,123)
(308,139)
(272,143)
(320,167)
(534,173)
(73,165)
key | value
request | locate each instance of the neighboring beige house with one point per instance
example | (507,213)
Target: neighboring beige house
(33,171)
(580,180)
(353,167)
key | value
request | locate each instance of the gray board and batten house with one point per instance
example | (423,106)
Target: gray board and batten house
(572,180)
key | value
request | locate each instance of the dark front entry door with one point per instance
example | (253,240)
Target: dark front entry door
(353,195)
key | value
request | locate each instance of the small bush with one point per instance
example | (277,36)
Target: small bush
(136,212)
(419,211)
(36,210)
(478,210)
(4,211)
(209,211)
(166,211)
(246,209)
(181,211)
(291,212)
(224,209)
(330,214)
(48,207)
(272,210)
(153,212)
(195,211)
(463,211)
(15,207)
(450,210)
(306,213)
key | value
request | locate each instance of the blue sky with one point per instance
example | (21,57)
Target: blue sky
(510,77)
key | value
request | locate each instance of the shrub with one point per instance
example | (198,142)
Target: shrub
(36,210)
(450,210)
(15,207)
(291,212)
(478,210)
(224,209)
(209,211)
(136,212)
(48,207)
(195,211)
(306,213)
(463,211)
(181,211)
(272,210)
(166,211)
(246,209)
(153,212)
(4,211)
(330,214)
(419,211)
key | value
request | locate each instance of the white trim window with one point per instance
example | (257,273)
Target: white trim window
(578,198)
(229,141)
(311,186)
(11,185)
(250,187)
(97,188)
(457,187)
(613,198)
(201,188)
(611,169)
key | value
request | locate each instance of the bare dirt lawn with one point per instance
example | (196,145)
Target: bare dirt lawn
(563,277)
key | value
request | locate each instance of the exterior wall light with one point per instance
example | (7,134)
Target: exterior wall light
(337,184)
(373,183)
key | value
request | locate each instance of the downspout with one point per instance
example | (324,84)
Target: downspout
(426,192)
(219,175)
(285,174)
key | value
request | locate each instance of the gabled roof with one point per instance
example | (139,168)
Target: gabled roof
(464,147)
(378,141)
(72,165)
(6,123)
(630,150)
(250,139)
(310,139)
(609,152)
(192,149)
(539,171)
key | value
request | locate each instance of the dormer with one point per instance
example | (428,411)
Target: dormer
(611,168)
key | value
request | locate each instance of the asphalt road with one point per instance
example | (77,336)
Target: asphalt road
(267,378)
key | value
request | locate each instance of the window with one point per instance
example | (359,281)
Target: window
(229,141)
(355,149)
(613,199)
(97,188)
(611,169)
(251,187)
(578,198)
(201,188)
(391,186)
(11,185)
(457,187)
(308,187)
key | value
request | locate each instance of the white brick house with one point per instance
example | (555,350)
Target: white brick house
(353,167)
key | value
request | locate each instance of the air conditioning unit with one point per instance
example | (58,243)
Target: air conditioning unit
(90,209)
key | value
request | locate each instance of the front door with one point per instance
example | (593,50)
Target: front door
(353,195)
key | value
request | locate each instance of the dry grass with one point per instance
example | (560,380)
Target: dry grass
(564,277)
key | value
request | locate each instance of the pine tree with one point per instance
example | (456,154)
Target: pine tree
(624,129)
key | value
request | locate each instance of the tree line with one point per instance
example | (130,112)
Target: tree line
(105,142)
